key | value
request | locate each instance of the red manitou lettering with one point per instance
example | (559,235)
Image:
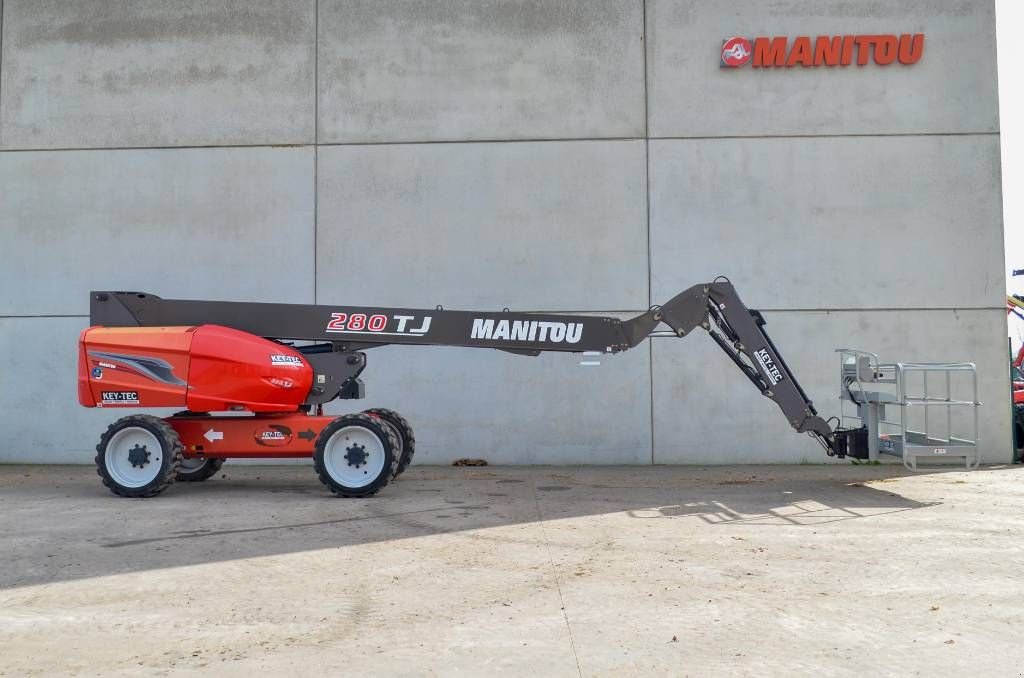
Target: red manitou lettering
(847,56)
(837,50)
(826,50)
(769,53)
(911,48)
(801,53)
(885,50)
(864,43)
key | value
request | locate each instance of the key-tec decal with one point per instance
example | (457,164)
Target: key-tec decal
(286,360)
(378,323)
(120,397)
(526,330)
(274,435)
(768,365)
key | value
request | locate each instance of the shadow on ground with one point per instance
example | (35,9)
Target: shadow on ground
(59,523)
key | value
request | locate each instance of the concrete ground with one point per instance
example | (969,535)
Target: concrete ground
(824,570)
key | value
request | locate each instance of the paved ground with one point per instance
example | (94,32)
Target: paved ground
(824,570)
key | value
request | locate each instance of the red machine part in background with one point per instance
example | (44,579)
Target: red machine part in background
(1015,307)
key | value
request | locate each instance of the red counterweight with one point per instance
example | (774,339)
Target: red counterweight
(208,368)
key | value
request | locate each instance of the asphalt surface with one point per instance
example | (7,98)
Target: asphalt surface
(597,571)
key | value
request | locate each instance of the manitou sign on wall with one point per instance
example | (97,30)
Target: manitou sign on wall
(824,50)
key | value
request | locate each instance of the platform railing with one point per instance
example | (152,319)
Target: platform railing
(866,382)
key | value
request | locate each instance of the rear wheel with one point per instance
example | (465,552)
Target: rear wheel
(138,456)
(196,469)
(406,439)
(355,455)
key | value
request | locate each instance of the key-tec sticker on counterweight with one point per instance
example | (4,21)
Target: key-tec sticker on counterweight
(120,397)
(286,360)
(768,365)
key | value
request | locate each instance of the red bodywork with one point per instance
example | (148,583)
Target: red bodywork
(267,435)
(1018,385)
(208,368)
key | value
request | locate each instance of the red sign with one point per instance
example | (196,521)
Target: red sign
(736,52)
(824,50)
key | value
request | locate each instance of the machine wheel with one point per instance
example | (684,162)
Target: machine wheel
(138,456)
(406,439)
(355,455)
(195,470)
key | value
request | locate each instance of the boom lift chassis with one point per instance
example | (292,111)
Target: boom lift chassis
(357,454)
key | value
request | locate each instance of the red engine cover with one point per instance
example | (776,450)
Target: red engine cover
(206,369)
(230,369)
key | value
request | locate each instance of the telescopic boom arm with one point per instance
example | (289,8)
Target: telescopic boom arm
(714,307)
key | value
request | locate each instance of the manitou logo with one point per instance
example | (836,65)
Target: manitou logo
(824,50)
(526,330)
(736,52)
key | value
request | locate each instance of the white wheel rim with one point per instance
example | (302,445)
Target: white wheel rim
(354,456)
(133,457)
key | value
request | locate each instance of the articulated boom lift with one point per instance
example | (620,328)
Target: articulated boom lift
(232,357)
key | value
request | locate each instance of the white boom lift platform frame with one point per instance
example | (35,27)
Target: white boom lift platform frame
(909,410)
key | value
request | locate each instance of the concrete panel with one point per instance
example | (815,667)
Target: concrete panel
(951,89)
(39,411)
(480,69)
(530,226)
(706,412)
(462,402)
(884,222)
(513,409)
(95,73)
(189,223)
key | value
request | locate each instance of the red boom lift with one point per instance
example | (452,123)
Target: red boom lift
(241,359)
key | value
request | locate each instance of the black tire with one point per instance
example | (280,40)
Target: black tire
(325,455)
(167,462)
(200,472)
(187,473)
(406,439)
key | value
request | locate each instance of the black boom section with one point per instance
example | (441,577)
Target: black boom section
(366,326)
(714,307)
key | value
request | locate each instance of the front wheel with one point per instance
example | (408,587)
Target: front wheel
(355,455)
(138,456)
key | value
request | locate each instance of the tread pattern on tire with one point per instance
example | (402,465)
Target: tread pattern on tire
(368,422)
(204,472)
(169,441)
(405,429)
(207,470)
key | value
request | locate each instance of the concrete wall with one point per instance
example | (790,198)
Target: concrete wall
(577,155)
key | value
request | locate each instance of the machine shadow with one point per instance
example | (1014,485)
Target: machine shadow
(60,524)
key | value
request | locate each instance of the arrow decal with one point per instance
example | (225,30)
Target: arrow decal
(212,435)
